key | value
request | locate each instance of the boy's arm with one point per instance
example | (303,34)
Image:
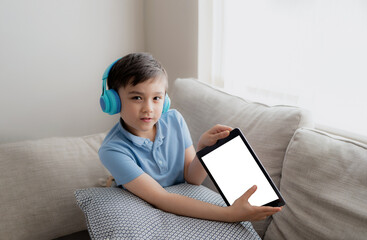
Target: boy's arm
(194,172)
(149,190)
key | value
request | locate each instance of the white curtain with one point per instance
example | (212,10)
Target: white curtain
(311,54)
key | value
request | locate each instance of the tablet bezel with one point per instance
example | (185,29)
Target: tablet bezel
(234,133)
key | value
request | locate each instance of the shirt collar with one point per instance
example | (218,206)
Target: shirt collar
(140,141)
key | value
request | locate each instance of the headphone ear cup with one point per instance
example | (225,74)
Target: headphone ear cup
(114,102)
(110,101)
(105,103)
(166,104)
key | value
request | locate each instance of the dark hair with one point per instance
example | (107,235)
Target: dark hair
(133,69)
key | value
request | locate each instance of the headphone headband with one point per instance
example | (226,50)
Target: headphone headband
(107,71)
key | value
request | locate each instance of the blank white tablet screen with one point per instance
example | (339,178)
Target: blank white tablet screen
(235,171)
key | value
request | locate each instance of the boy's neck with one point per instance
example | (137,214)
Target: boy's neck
(153,133)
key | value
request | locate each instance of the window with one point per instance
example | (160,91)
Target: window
(311,54)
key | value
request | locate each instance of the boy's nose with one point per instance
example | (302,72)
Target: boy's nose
(148,107)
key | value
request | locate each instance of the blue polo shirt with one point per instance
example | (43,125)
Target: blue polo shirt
(127,156)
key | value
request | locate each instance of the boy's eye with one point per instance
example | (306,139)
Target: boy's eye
(157,98)
(136,98)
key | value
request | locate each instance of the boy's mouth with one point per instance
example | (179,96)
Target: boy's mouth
(146,119)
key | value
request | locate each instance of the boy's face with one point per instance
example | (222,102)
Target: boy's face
(141,106)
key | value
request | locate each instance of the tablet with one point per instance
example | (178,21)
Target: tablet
(234,167)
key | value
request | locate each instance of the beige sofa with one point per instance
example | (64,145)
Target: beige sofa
(322,177)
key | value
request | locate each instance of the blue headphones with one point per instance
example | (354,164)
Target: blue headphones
(110,101)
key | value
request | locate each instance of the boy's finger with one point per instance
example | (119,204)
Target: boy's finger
(267,210)
(249,192)
(224,128)
(222,134)
(270,213)
(220,128)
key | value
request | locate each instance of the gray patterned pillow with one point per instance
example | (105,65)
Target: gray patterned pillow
(114,213)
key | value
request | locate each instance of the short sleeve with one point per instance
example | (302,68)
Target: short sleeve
(122,167)
(185,130)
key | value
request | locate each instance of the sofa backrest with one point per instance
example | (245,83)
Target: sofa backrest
(325,182)
(268,129)
(38,179)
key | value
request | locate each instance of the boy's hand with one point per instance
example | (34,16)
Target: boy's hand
(242,210)
(211,136)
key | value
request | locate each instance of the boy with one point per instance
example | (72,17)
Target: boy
(147,150)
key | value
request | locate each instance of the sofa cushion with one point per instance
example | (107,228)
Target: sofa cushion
(38,179)
(114,213)
(324,183)
(268,129)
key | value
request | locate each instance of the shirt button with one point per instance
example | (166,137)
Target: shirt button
(160,162)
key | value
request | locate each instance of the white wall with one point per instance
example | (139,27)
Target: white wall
(171,35)
(53,54)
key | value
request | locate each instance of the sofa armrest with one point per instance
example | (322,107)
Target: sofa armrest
(38,179)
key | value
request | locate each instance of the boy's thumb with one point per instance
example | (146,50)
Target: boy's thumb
(249,192)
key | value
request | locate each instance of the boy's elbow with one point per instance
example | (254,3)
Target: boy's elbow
(193,182)
(194,179)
